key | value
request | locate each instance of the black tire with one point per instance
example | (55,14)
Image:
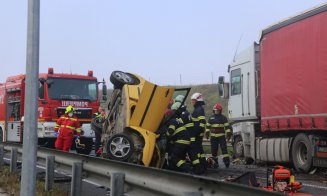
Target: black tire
(119,79)
(88,142)
(120,147)
(238,147)
(302,153)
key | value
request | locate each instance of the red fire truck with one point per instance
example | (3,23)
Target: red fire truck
(56,92)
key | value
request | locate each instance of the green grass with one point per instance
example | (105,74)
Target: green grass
(211,97)
(10,182)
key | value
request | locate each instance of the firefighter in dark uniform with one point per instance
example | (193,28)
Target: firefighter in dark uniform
(188,124)
(179,142)
(218,128)
(97,121)
(198,129)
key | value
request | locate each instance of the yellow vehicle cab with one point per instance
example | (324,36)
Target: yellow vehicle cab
(136,111)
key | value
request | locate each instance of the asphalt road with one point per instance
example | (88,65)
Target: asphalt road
(313,184)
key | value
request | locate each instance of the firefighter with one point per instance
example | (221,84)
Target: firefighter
(67,125)
(188,124)
(179,142)
(98,119)
(198,129)
(219,129)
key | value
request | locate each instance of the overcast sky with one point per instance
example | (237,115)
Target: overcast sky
(159,40)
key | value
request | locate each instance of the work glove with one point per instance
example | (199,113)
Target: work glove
(55,134)
(76,137)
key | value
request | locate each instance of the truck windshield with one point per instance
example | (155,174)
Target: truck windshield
(72,89)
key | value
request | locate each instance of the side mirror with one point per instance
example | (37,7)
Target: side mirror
(104,90)
(42,80)
(223,88)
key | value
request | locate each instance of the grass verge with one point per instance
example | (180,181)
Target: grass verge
(10,183)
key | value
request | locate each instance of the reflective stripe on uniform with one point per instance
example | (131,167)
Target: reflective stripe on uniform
(192,139)
(172,127)
(73,119)
(225,155)
(182,142)
(179,163)
(78,130)
(226,124)
(217,134)
(203,156)
(196,161)
(189,125)
(217,125)
(179,130)
(202,125)
(227,130)
(198,118)
(57,126)
(201,134)
(69,127)
(202,117)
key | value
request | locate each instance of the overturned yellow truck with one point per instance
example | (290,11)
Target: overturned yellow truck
(136,111)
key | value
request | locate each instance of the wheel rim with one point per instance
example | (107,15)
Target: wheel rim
(302,155)
(239,148)
(123,77)
(119,147)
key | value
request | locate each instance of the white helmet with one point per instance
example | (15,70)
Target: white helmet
(197,97)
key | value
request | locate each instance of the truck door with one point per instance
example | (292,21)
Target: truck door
(243,86)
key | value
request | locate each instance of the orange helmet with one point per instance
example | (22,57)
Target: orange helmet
(217,106)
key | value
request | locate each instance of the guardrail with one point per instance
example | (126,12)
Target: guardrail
(125,178)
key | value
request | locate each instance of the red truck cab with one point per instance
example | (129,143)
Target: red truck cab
(56,92)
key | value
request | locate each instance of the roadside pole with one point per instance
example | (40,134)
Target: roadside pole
(28,179)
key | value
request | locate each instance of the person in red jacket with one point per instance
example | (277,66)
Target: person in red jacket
(67,125)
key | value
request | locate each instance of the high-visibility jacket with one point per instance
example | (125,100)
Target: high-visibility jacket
(218,125)
(68,124)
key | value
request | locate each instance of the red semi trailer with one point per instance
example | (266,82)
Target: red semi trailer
(278,93)
(56,92)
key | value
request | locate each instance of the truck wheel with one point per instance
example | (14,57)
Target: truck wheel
(301,153)
(119,79)
(120,147)
(88,142)
(238,147)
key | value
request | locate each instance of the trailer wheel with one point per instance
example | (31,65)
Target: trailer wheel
(120,147)
(238,147)
(88,142)
(301,153)
(119,79)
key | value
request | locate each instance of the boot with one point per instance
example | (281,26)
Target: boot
(215,164)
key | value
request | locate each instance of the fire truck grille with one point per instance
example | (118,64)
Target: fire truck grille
(79,113)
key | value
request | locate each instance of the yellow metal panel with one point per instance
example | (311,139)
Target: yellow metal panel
(151,106)
(149,144)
